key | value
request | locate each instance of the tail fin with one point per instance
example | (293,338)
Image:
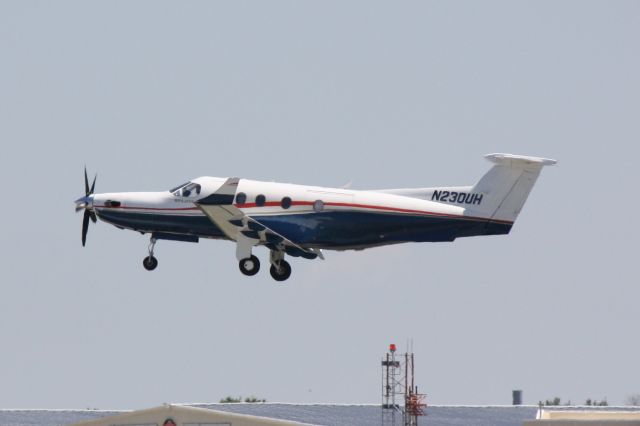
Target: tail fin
(505,188)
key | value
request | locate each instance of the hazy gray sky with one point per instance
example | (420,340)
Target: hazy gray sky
(386,94)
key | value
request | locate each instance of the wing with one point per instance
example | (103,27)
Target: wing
(242,228)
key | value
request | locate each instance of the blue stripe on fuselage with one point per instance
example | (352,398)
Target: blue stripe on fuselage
(330,229)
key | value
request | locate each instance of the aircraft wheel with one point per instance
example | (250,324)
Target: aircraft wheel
(281,273)
(249,265)
(150,263)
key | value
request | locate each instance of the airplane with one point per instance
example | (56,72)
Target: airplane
(302,221)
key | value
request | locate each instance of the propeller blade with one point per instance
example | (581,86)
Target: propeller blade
(86,203)
(85,226)
(86,182)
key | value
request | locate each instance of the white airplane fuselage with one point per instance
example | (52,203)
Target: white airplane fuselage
(302,220)
(325,218)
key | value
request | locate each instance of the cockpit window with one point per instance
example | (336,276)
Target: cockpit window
(178,187)
(188,189)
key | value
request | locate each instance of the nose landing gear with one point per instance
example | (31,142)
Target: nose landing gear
(150,262)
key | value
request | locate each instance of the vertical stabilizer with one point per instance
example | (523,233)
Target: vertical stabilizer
(507,185)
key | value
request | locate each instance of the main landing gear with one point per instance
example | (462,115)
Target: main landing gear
(249,265)
(280,272)
(150,262)
(280,269)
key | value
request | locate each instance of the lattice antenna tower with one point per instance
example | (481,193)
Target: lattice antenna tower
(401,402)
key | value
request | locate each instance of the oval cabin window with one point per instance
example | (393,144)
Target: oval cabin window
(241,198)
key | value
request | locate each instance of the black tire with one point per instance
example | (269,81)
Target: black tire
(249,265)
(150,263)
(282,273)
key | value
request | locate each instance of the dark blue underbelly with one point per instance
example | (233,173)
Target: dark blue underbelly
(358,229)
(327,229)
(200,226)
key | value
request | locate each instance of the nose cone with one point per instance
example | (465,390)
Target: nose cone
(85,202)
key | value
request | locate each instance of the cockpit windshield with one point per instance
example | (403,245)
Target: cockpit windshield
(188,189)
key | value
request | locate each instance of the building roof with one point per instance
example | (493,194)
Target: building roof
(585,415)
(177,415)
(588,415)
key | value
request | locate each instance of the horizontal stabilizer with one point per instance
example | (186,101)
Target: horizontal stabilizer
(523,161)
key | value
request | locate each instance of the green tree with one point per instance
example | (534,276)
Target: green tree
(596,403)
(555,401)
(633,399)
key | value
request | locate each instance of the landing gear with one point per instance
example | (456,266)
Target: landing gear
(150,262)
(280,269)
(249,265)
(280,272)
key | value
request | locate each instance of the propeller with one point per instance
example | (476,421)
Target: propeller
(86,203)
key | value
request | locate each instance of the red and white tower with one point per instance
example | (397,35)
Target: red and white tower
(400,397)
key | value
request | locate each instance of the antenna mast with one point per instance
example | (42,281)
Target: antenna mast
(397,386)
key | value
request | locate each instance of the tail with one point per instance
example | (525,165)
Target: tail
(503,190)
(499,195)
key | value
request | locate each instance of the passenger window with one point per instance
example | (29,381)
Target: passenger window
(260,200)
(286,202)
(241,198)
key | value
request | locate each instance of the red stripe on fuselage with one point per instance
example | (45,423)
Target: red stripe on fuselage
(383,208)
